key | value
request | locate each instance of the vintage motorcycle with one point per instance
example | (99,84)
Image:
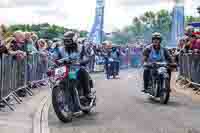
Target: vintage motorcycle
(159,82)
(67,99)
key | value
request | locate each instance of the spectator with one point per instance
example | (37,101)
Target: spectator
(42,45)
(30,47)
(17,47)
(193,40)
(196,45)
(91,54)
(43,64)
(3,48)
(54,51)
(34,37)
(18,50)
(83,53)
(181,43)
(49,43)
(187,44)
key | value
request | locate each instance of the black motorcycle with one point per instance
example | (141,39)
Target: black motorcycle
(159,81)
(67,97)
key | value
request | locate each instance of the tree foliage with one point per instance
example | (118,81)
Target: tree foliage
(43,30)
(190,19)
(142,27)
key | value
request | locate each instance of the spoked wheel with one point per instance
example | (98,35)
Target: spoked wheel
(62,104)
(164,98)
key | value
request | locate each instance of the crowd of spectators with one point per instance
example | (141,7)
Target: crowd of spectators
(22,44)
(191,40)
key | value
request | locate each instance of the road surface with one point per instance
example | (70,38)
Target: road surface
(122,108)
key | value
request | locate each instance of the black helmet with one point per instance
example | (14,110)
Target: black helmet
(156,35)
(69,38)
(69,35)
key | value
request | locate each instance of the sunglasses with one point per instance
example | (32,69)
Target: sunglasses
(156,38)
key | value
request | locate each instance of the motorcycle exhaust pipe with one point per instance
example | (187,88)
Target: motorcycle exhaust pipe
(84,107)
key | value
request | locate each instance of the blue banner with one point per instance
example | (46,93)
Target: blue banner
(97,30)
(177,29)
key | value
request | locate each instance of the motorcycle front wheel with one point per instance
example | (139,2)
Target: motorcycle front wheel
(61,104)
(164,98)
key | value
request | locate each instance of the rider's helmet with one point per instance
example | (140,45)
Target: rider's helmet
(156,36)
(108,45)
(69,35)
(156,40)
(69,38)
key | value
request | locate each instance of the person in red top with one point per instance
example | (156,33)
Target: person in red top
(192,42)
(196,45)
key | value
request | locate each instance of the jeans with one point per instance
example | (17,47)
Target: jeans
(146,76)
(115,66)
(92,63)
(84,80)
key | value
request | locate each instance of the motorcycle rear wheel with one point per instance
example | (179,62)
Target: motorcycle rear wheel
(64,116)
(164,98)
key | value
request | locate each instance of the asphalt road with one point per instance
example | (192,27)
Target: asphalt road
(122,108)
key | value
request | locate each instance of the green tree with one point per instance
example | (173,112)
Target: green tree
(83,33)
(142,27)
(189,19)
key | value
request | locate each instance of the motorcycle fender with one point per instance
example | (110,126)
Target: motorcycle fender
(164,88)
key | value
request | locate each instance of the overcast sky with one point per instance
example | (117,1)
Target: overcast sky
(80,13)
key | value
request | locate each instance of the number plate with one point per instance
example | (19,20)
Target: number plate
(60,71)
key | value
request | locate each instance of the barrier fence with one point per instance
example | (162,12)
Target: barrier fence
(133,59)
(190,68)
(16,75)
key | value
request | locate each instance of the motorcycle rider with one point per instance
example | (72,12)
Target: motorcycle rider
(70,50)
(154,53)
(107,55)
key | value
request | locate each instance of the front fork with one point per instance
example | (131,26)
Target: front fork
(164,85)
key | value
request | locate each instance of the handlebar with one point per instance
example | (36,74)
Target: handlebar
(160,64)
(66,61)
(70,61)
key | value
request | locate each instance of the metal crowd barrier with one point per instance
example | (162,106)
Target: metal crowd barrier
(190,68)
(16,75)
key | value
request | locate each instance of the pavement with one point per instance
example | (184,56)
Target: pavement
(21,120)
(178,87)
(121,108)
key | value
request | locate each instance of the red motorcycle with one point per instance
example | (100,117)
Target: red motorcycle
(67,99)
